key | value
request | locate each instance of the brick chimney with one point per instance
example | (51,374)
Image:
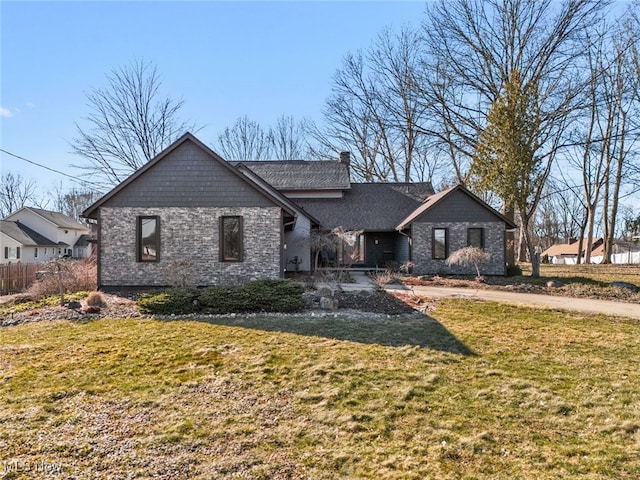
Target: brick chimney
(345,158)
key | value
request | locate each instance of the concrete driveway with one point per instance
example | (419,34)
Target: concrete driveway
(607,307)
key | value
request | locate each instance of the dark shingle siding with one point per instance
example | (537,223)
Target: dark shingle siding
(458,207)
(302,174)
(455,204)
(188,177)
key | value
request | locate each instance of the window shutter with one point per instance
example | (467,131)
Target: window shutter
(17,253)
(6,252)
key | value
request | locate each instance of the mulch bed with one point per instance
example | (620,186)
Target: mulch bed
(378,301)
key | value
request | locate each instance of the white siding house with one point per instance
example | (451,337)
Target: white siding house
(34,235)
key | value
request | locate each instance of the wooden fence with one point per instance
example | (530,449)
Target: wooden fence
(17,277)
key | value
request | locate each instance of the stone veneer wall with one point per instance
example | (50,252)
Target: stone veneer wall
(494,238)
(189,234)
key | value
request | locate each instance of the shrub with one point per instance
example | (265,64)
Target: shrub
(383,278)
(95,299)
(258,296)
(75,275)
(173,302)
(219,300)
(468,256)
(514,271)
(275,295)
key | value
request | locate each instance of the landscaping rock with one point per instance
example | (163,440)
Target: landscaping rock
(73,305)
(554,284)
(328,303)
(626,286)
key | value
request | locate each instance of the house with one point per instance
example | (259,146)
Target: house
(567,253)
(233,222)
(188,208)
(34,235)
(622,252)
(453,219)
(368,212)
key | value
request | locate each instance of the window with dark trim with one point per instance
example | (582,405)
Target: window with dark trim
(440,243)
(475,237)
(148,239)
(12,253)
(231,241)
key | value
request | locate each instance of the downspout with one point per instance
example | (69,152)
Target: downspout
(409,240)
(99,252)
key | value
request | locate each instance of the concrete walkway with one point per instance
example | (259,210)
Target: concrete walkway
(607,307)
(361,282)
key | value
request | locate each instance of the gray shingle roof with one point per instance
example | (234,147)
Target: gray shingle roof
(59,219)
(367,206)
(83,241)
(23,234)
(302,174)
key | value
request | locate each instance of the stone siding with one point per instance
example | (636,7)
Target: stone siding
(192,235)
(494,244)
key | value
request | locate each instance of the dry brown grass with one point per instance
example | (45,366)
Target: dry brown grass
(477,390)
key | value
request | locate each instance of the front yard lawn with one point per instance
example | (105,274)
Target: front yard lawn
(476,390)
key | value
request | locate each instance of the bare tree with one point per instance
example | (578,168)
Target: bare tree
(608,134)
(73,202)
(473,48)
(374,112)
(129,124)
(288,139)
(248,140)
(622,87)
(15,193)
(560,214)
(245,140)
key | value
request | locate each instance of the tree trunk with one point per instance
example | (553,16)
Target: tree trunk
(508,212)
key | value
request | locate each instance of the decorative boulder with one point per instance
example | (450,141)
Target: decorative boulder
(73,305)
(328,303)
(554,284)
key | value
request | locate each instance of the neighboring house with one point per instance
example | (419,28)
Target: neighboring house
(35,235)
(233,222)
(567,253)
(623,252)
(22,244)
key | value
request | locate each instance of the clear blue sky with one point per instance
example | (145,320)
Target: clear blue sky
(224,59)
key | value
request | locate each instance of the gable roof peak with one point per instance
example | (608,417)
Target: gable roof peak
(91,211)
(433,200)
